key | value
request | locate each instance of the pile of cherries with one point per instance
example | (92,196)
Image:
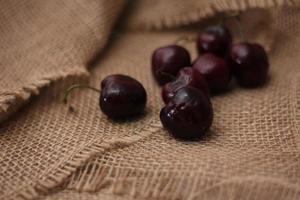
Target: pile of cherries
(187,87)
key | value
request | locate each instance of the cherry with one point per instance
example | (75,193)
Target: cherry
(215,40)
(186,77)
(167,61)
(249,62)
(121,96)
(215,71)
(188,115)
(114,78)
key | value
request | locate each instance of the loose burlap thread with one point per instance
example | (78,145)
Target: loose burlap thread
(252,151)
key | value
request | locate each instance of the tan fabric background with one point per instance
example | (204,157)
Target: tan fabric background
(43,41)
(48,152)
(158,14)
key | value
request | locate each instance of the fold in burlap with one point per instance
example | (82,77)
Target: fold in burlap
(252,151)
(158,14)
(45,41)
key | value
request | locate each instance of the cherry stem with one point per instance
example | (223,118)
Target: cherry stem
(237,16)
(167,75)
(184,38)
(76,86)
(241,28)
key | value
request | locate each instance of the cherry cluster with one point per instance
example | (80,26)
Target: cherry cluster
(188,86)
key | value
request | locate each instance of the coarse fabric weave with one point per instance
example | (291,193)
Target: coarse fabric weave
(44,41)
(49,151)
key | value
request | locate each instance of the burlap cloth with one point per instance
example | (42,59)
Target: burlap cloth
(48,152)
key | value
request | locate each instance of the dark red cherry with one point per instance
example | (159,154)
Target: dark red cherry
(122,96)
(250,64)
(115,78)
(215,71)
(186,77)
(215,40)
(188,115)
(167,61)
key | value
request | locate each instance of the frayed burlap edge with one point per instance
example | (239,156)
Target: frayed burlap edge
(158,185)
(197,14)
(120,181)
(58,177)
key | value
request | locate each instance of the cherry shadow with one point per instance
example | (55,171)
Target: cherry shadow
(262,85)
(132,119)
(208,136)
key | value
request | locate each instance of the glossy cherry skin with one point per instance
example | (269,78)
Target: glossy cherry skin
(186,77)
(250,64)
(188,115)
(122,97)
(215,71)
(215,40)
(169,60)
(115,78)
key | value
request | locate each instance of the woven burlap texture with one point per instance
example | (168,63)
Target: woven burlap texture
(252,151)
(43,41)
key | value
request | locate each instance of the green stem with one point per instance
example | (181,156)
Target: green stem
(167,75)
(237,16)
(223,20)
(76,86)
(184,39)
(241,28)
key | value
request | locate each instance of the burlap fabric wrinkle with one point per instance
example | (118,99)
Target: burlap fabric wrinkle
(46,152)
